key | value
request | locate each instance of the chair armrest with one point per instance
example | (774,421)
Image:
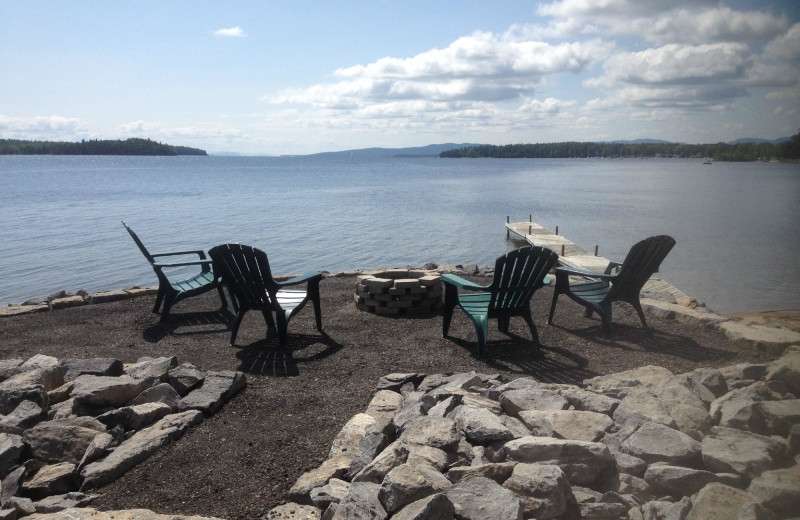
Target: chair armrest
(570,271)
(199,253)
(461,283)
(182,264)
(612,266)
(303,278)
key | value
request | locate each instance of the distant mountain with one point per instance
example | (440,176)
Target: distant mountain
(642,141)
(758,140)
(432,150)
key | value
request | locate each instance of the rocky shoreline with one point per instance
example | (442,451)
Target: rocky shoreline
(68,427)
(640,444)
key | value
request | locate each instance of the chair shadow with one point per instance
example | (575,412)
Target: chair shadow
(267,358)
(518,354)
(623,336)
(176,321)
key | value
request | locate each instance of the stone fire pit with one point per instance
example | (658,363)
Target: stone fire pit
(398,292)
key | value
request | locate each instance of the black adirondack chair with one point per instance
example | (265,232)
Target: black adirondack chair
(245,270)
(517,275)
(597,295)
(171,292)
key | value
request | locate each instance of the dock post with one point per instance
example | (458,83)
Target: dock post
(530,229)
(556,230)
(530,217)
(562,249)
(595,250)
(508,231)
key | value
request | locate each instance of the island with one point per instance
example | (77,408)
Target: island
(132,146)
(787,150)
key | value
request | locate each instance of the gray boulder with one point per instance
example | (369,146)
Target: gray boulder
(106,391)
(74,368)
(658,443)
(678,481)
(727,450)
(62,440)
(481,426)
(717,501)
(779,490)
(185,377)
(161,393)
(406,484)
(480,498)
(436,432)
(335,467)
(584,463)
(137,448)
(361,502)
(218,388)
(638,407)
(542,489)
(434,507)
(532,398)
(568,424)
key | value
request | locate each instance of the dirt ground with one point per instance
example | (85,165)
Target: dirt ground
(241,462)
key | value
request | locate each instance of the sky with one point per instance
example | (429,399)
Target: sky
(300,77)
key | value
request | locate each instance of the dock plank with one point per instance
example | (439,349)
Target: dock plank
(576,257)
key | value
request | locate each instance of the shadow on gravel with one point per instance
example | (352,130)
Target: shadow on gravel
(637,338)
(519,355)
(267,358)
(189,323)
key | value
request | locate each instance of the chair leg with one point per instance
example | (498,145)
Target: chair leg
(222,297)
(531,325)
(481,323)
(236,322)
(553,307)
(503,324)
(605,314)
(638,306)
(313,295)
(167,307)
(159,298)
(450,299)
(283,323)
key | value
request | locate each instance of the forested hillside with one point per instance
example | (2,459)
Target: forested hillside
(132,146)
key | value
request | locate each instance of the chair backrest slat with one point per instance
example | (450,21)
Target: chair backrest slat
(139,243)
(518,274)
(643,260)
(246,271)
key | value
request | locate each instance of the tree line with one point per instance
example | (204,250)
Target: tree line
(787,151)
(132,146)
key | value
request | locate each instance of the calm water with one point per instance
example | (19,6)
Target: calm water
(736,225)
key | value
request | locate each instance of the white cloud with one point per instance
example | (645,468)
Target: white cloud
(685,21)
(231,32)
(190,133)
(42,128)
(785,46)
(478,68)
(678,64)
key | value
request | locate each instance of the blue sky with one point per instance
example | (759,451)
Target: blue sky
(296,77)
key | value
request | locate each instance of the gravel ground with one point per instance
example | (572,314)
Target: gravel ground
(241,462)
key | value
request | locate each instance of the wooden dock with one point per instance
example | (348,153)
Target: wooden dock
(572,255)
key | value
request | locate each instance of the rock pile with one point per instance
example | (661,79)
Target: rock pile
(72,425)
(641,444)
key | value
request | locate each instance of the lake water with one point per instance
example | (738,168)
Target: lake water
(737,225)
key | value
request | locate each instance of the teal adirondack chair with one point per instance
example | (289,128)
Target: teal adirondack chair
(517,275)
(171,292)
(246,272)
(643,260)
